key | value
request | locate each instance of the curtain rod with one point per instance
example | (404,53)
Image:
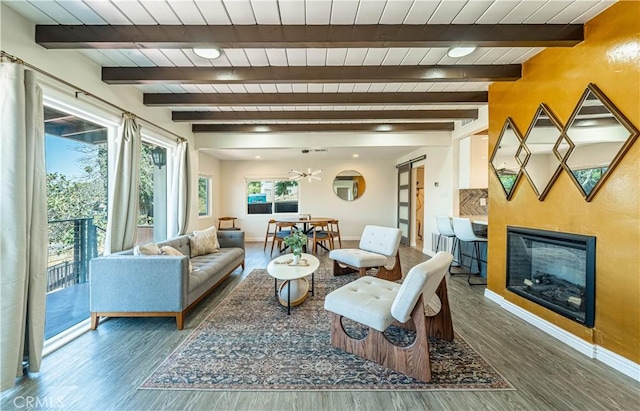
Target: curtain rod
(78,91)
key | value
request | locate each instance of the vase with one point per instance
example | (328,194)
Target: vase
(296,259)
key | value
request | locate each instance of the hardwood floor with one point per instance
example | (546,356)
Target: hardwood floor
(102,369)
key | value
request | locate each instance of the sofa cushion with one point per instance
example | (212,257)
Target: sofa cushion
(209,232)
(367,300)
(358,258)
(210,265)
(180,243)
(168,250)
(381,240)
(147,249)
(202,245)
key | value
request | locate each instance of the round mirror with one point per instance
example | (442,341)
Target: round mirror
(349,185)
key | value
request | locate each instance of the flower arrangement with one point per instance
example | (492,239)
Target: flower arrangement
(296,240)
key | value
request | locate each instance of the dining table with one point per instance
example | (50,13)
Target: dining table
(307,223)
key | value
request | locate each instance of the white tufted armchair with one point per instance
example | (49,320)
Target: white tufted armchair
(378,249)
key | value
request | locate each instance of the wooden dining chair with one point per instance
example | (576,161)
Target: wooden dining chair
(269,233)
(226,220)
(283,230)
(319,234)
(334,232)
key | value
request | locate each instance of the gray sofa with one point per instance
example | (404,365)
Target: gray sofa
(127,285)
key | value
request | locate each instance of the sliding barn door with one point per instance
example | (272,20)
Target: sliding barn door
(404,202)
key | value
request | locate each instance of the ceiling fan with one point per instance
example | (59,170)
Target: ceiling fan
(299,175)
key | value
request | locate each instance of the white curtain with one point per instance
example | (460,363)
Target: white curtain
(123,208)
(179,200)
(23,222)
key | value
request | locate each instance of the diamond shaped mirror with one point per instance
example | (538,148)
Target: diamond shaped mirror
(543,165)
(601,135)
(504,159)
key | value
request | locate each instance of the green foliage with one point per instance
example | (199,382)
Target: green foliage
(508,180)
(254,187)
(203,196)
(283,188)
(145,215)
(296,241)
(589,177)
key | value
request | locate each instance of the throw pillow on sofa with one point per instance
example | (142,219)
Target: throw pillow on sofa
(147,249)
(168,250)
(210,232)
(201,245)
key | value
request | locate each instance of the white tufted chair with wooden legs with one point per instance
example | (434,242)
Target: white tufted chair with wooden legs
(378,248)
(379,304)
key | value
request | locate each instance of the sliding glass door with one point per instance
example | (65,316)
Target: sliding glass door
(76,161)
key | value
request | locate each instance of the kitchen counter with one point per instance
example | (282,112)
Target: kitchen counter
(481,219)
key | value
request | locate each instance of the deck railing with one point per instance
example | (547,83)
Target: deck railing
(69,259)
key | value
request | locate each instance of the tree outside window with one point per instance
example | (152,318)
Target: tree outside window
(204,196)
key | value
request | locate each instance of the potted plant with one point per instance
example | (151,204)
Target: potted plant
(296,240)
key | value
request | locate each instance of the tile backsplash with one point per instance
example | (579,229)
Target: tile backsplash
(470,199)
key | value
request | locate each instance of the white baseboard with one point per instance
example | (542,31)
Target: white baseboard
(618,362)
(615,361)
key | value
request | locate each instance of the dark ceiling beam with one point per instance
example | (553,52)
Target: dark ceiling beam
(310,74)
(301,36)
(196,116)
(279,99)
(284,128)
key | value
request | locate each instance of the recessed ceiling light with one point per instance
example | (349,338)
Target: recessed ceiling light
(258,157)
(384,127)
(208,53)
(355,155)
(457,52)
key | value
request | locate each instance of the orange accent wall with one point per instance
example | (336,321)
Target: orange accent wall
(610,58)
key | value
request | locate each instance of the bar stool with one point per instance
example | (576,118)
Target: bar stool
(445,229)
(464,232)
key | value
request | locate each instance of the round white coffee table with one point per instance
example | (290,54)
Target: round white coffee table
(295,287)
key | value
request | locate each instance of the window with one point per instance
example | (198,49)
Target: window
(152,198)
(272,196)
(204,196)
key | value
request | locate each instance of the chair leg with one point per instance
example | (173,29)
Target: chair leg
(456,244)
(412,360)
(441,325)
(339,270)
(475,252)
(392,275)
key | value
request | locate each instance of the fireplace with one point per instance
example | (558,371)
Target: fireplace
(553,269)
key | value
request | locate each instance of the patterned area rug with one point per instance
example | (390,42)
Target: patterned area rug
(250,343)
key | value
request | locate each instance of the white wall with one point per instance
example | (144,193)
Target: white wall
(376,206)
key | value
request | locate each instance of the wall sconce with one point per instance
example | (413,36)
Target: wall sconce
(159,156)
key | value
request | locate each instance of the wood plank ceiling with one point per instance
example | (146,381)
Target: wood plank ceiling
(311,65)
